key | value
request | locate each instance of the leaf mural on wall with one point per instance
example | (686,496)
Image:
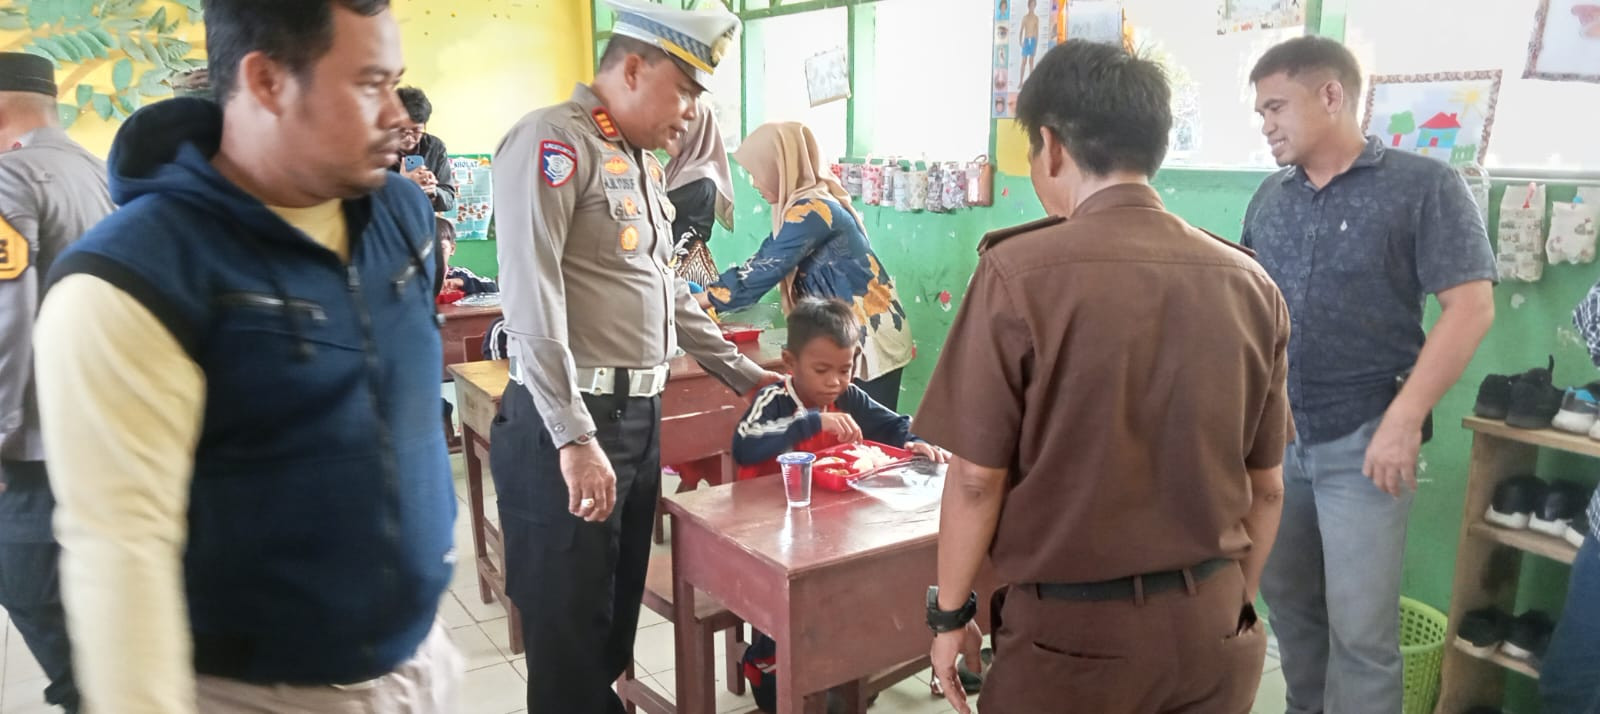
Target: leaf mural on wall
(141,40)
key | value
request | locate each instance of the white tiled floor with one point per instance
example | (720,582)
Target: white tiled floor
(495,679)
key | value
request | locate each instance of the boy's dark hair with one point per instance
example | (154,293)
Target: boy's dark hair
(1312,54)
(444,229)
(1112,111)
(295,33)
(814,318)
(417,104)
(620,46)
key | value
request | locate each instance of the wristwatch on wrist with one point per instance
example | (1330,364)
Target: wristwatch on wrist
(949,620)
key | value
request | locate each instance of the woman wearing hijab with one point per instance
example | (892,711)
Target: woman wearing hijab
(818,248)
(701,189)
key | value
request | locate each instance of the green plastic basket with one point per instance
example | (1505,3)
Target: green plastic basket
(1422,638)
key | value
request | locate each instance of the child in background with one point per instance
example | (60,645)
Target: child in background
(817,406)
(457,278)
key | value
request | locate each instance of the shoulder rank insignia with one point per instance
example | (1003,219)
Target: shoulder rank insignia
(993,238)
(1227,242)
(603,122)
(13,252)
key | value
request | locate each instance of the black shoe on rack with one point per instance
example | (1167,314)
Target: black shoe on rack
(1535,401)
(1529,637)
(1563,501)
(1482,631)
(1494,396)
(1515,499)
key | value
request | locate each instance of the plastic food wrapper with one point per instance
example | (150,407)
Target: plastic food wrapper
(909,487)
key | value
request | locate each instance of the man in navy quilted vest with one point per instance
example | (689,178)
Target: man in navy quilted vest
(238,372)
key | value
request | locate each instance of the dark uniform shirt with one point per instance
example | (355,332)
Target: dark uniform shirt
(1127,369)
(1356,261)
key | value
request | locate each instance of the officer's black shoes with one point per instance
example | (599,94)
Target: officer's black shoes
(1515,500)
(1578,529)
(1482,631)
(1494,396)
(1529,637)
(1534,400)
(1563,501)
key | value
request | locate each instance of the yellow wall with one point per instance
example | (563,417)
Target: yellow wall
(483,63)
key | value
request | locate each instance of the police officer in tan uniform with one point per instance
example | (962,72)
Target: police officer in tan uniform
(593,314)
(1114,393)
(51,191)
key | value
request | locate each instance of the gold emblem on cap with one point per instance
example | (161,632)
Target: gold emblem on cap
(720,47)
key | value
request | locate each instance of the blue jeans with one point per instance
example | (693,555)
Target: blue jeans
(30,587)
(1332,583)
(1569,682)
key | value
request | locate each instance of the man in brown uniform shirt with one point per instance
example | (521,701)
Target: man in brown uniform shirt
(1114,392)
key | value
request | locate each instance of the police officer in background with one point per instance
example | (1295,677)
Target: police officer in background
(594,313)
(51,191)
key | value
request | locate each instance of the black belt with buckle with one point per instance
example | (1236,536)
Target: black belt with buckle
(1127,588)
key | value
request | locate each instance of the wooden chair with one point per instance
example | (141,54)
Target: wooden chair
(710,617)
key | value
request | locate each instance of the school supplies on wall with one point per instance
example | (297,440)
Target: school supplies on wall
(1520,234)
(1572,228)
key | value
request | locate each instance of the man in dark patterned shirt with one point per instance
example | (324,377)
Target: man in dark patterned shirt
(1356,236)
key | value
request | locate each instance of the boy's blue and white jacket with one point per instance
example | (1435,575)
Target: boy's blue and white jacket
(777,423)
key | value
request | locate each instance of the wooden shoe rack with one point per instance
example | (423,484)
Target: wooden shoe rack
(1489,558)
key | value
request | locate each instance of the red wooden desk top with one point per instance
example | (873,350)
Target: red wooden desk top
(836,528)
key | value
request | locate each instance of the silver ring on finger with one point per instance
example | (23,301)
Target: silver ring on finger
(586,503)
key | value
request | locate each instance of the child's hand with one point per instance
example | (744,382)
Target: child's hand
(842,427)
(929,451)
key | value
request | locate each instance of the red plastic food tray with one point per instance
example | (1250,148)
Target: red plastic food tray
(741,334)
(839,480)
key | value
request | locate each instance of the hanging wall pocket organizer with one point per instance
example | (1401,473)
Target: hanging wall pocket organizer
(1521,234)
(1572,228)
(980,182)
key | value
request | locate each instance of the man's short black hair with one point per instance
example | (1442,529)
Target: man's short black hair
(1112,111)
(295,33)
(444,230)
(1312,54)
(620,46)
(417,104)
(814,318)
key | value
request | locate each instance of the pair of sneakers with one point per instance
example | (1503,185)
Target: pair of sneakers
(1526,401)
(1580,411)
(1555,509)
(1523,638)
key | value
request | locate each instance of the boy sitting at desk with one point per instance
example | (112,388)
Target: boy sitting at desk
(817,406)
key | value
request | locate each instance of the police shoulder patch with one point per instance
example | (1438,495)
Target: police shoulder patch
(13,252)
(558,162)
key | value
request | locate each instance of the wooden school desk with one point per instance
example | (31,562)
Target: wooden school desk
(698,418)
(841,586)
(461,322)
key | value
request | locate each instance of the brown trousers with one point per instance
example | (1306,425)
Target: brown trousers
(1177,652)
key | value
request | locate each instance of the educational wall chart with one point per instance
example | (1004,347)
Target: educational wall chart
(474,196)
(1246,15)
(1023,31)
(1444,115)
(1566,41)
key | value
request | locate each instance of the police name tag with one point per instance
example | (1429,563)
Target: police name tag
(558,162)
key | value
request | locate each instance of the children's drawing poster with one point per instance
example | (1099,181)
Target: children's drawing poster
(1445,115)
(1023,31)
(1566,41)
(1246,15)
(474,196)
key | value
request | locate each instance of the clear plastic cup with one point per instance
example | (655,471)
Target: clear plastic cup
(796,467)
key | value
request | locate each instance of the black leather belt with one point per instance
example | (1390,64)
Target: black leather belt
(1130,588)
